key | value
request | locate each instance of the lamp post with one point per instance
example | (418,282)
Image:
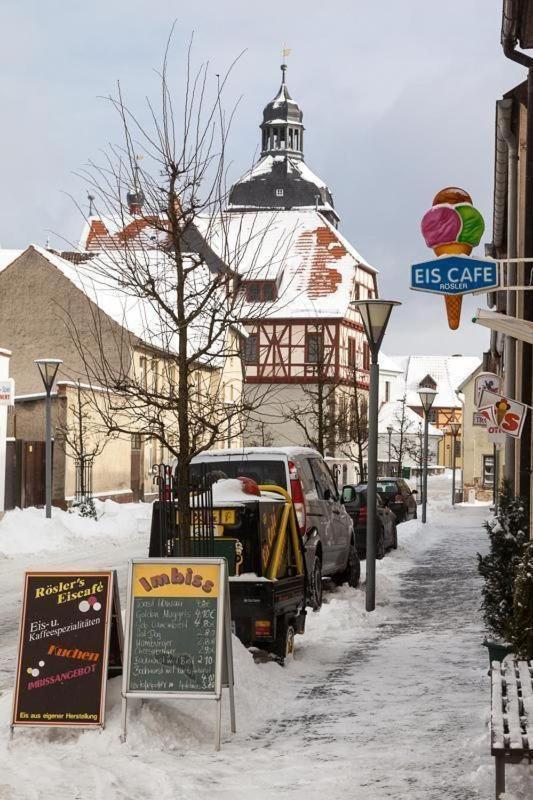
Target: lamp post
(454,430)
(389,431)
(375,316)
(48,368)
(427,396)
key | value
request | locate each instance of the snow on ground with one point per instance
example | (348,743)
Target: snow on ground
(392,704)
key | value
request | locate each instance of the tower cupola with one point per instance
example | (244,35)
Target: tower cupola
(282,128)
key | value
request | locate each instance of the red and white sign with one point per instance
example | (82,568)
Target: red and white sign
(7,392)
(504,415)
(486,381)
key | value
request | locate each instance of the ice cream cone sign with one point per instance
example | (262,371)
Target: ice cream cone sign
(452,227)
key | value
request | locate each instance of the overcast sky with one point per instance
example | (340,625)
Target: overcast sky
(398,101)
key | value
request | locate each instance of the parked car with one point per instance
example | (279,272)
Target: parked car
(354,499)
(325,526)
(399,497)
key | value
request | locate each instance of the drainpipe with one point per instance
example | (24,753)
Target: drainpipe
(504,127)
(524,485)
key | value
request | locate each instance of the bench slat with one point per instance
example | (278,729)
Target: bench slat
(512,708)
(497,731)
(526,690)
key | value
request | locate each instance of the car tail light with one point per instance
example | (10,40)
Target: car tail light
(362,514)
(297,494)
(398,498)
(262,628)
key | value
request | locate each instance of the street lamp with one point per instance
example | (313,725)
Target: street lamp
(48,368)
(427,396)
(454,428)
(389,431)
(375,315)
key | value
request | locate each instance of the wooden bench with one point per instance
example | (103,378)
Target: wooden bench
(511,730)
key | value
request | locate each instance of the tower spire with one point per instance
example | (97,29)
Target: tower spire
(282,128)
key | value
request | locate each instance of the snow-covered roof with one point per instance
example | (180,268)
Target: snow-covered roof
(390,415)
(104,233)
(387,364)
(295,167)
(314,266)
(99,278)
(448,372)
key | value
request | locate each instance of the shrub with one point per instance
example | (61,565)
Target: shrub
(508,536)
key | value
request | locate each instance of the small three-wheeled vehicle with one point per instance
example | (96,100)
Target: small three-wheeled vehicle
(254,528)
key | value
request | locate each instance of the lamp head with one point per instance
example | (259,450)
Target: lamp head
(48,368)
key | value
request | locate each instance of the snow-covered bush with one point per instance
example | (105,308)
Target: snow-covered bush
(85,508)
(522,627)
(508,536)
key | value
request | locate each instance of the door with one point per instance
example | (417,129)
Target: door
(33,474)
(337,523)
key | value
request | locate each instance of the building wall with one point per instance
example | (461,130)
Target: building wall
(475,445)
(36,302)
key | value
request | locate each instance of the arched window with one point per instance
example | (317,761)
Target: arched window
(296,140)
(290,138)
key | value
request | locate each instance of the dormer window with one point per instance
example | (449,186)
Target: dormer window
(279,192)
(260,291)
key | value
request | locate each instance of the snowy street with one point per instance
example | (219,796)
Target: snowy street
(392,704)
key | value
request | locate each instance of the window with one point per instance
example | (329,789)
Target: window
(251,349)
(366,356)
(351,352)
(279,192)
(136,441)
(296,140)
(324,481)
(356,292)
(313,348)
(155,375)
(143,362)
(290,138)
(387,391)
(488,470)
(432,416)
(260,291)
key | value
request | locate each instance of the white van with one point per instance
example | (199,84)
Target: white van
(325,527)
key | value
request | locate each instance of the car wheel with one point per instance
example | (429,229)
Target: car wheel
(380,548)
(395,539)
(284,644)
(352,574)
(316,585)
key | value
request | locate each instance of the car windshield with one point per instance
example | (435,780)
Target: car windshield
(387,487)
(262,472)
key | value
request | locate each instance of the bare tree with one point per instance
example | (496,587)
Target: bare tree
(316,414)
(176,272)
(80,435)
(402,426)
(355,440)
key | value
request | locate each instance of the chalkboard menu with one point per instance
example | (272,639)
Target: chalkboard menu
(64,648)
(173,626)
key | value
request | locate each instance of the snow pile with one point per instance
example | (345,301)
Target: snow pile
(28,531)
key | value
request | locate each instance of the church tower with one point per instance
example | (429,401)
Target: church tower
(281,179)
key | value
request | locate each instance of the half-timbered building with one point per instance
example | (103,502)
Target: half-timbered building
(300,277)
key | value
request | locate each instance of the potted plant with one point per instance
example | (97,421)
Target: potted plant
(508,536)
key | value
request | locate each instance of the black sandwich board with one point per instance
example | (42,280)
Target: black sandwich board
(178,633)
(70,642)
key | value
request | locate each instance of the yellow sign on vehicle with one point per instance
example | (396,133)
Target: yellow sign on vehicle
(220,516)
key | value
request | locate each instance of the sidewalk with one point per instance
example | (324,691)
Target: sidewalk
(392,704)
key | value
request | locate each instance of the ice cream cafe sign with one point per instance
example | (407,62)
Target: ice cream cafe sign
(452,228)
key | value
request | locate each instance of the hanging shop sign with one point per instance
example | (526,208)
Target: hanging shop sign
(178,633)
(504,414)
(452,228)
(7,392)
(485,381)
(70,641)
